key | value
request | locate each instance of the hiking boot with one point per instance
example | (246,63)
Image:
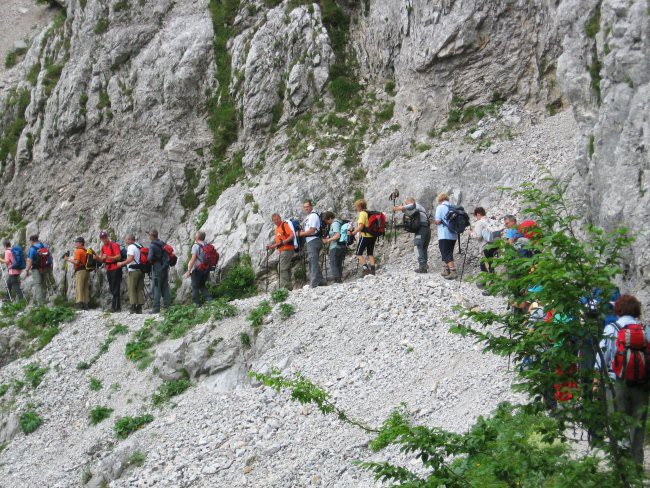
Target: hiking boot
(132,309)
(452,275)
(421,269)
(372,270)
(153,310)
(445,272)
(365,271)
(138,309)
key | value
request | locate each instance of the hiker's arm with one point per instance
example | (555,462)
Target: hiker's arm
(129,259)
(3,261)
(359,228)
(307,233)
(190,265)
(397,208)
(28,266)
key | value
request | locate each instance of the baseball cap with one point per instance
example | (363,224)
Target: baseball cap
(103,234)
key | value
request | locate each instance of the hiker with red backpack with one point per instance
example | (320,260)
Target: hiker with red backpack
(161,256)
(204,259)
(14,260)
(110,254)
(39,259)
(135,255)
(626,351)
(367,240)
(284,243)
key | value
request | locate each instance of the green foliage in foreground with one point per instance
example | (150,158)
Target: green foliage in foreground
(42,323)
(257,315)
(517,446)
(34,374)
(125,426)
(279,295)
(169,389)
(238,282)
(286,311)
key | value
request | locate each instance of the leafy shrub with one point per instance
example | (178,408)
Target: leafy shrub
(95,384)
(125,426)
(99,414)
(257,315)
(4,388)
(386,112)
(30,420)
(178,319)
(389,87)
(138,349)
(279,295)
(286,311)
(239,281)
(169,389)
(221,309)
(101,26)
(136,458)
(11,59)
(245,340)
(34,374)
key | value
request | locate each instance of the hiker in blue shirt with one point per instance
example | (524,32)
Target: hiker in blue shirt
(446,238)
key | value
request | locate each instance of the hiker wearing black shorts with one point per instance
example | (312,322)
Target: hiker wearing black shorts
(366,240)
(446,238)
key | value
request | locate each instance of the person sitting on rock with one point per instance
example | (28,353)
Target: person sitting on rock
(366,240)
(423,235)
(284,244)
(336,252)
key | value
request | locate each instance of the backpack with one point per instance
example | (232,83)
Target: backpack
(19,258)
(376,223)
(296,227)
(457,219)
(211,258)
(631,360)
(43,258)
(345,238)
(92,263)
(171,257)
(412,222)
(144,265)
(122,252)
(529,229)
(324,228)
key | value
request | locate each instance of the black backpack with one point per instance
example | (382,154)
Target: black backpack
(411,223)
(457,219)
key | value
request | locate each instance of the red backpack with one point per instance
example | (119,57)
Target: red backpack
(210,258)
(631,361)
(43,258)
(144,265)
(376,223)
(170,254)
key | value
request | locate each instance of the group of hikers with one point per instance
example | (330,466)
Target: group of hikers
(624,334)
(132,256)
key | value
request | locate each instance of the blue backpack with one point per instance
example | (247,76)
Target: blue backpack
(345,238)
(19,258)
(296,226)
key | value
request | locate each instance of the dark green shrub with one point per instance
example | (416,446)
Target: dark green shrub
(238,282)
(95,384)
(245,340)
(101,26)
(4,388)
(34,374)
(169,389)
(99,414)
(257,315)
(179,319)
(279,295)
(286,311)
(125,426)
(30,421)
(138,349)
(221,309)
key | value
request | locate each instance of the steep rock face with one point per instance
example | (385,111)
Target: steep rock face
(605,72)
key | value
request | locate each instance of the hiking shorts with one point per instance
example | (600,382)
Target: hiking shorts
(366,244)
(447,249)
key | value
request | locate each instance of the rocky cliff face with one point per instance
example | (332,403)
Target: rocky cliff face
(130,114)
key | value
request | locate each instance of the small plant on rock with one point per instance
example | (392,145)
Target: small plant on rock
(4,388)
(279,295)
(169,389)
(245,340)
(286,311)
(95,384)
(136,459)
(125,426)
(257,315)
(30,420)
(99,414)
(221,309)
(34,374)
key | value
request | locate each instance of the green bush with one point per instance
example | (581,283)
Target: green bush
(238,282)
(99,414)
(41,323)
(136,458)
(257,315)
(101,26)
(17,103)
(95,384)
(34,374)
(125,426)
(179,319)
(386,112)
(286,311)
(279,295)
(30,421)
(221,309)
(4,388)
(169,389)
(11,59)
(245,340)
(137,350)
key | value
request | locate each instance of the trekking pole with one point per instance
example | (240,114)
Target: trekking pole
(4,276)
(267,271)
(462,271)
(325,265)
